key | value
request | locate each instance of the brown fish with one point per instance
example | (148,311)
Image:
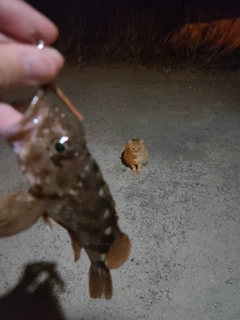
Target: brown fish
(51,150)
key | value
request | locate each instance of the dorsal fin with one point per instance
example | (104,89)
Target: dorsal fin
(119,252)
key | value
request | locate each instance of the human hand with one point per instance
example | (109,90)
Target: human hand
(21,62)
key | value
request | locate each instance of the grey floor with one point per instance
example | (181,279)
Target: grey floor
(182,213)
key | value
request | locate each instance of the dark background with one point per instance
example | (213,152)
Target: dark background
(168,10)
(132,31)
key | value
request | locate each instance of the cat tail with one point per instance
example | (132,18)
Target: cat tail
(100,282)
(19,211)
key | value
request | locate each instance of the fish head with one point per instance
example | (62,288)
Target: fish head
(49,142)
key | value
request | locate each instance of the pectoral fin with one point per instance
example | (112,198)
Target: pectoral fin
(18,212)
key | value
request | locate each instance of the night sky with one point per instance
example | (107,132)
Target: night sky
(168,10)
(128,30)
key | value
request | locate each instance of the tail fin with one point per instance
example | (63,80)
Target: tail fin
(100,283)
(119,252)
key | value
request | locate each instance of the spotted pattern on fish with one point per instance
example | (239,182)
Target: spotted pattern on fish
(60,170)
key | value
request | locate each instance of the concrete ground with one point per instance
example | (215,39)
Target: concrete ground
(182,213)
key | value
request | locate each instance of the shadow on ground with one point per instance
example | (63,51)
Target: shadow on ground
(34,298)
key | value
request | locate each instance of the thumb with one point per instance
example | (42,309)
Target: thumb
(23,65)
(9,117)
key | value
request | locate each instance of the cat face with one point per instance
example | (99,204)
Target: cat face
(135,146)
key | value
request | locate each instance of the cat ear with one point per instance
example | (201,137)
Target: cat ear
(141,141)
(129,142)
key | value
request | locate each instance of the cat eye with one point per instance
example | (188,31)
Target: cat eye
(133,148)
(138,148)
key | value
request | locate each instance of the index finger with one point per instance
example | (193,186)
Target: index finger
(22,22)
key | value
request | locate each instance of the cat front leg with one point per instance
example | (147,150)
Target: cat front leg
(139,168)
(133,168)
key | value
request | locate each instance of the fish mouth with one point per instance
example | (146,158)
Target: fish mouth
(31,120)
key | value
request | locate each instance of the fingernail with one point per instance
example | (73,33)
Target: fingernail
(41,64)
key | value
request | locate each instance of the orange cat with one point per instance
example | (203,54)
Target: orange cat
(135,154)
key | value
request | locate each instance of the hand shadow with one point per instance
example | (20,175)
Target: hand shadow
(34,297)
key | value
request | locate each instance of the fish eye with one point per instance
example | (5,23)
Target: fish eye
(60,144)
(60,147)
